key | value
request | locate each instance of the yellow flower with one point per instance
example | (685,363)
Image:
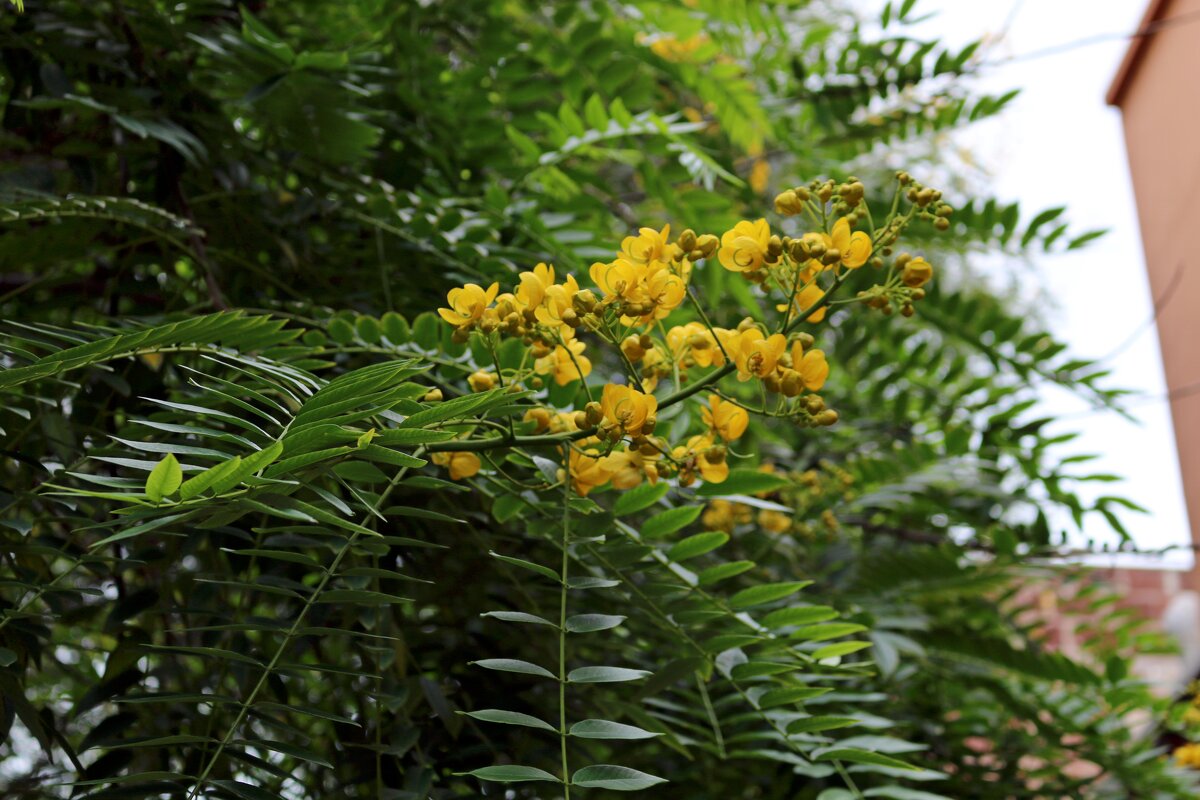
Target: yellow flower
(556,300)
(855,248)
(724,515)
(587,471)
(805,299)
(701,455)
(620,278)
(757,355)
(727,420)
(666,291)
(461,465)
(562,366)
(760,174)
(1188,755)
(533,285)
(670,48)
(468,303)
(649,245)
(694,341)
(774,521)
(916,272)
(540,417)
(628,468)
(627,408)
(744,248)
(812,366)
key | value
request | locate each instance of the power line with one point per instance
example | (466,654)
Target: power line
(1149,29)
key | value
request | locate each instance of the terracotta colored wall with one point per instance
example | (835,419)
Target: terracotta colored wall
(1160,104)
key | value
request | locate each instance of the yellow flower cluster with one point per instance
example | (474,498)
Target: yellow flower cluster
(636,307)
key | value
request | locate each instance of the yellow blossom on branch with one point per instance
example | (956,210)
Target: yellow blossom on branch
(728,420)
(586,471)
(812,366)
(628,468)
(855,248)
(565,363)
(467,303)
(757,354)
(744,248)
(461,465)
(627,409)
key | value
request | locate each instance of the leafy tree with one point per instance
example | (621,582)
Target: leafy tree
(269,524)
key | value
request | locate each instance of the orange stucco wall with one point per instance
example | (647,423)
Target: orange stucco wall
(1160,102)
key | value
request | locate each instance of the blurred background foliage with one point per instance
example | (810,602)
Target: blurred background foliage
(339,166)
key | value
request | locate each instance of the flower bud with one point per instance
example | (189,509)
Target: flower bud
(814,404)
(481,381)
(584,301)
(631,346)
(570,319)
(581,421)
(540,417)
(707,245)
(460,335)
(942,224)
(827,417)
(715,454)
(432,396)
(687,240)
(594,413)
(788,204)
(916,273)
(774,249)
(793,384)
(773,384)
(649,424)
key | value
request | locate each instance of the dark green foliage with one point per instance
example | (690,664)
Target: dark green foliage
(226,565)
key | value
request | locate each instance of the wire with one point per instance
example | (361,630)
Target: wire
(1149,29)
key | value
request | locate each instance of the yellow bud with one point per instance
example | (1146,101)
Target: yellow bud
(631,346)
(581,420)
(432,396)
(774,249)
(584,301)
(827,417)
(707,245)
(773,384)
(793,384)
(814,404)
(916,273)
(594,413)
(570,319)
(788,204)
(648,425)
(481,381)
(540,417)
(687,240)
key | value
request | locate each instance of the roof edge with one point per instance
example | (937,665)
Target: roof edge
(1135,53)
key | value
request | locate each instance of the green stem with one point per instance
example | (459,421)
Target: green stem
(287,640)
(562,630)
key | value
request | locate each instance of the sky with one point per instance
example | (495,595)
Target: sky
(1057,144)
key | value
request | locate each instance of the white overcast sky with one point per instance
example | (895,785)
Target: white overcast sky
(1060,144)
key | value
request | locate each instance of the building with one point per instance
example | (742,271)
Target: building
(1157,90)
